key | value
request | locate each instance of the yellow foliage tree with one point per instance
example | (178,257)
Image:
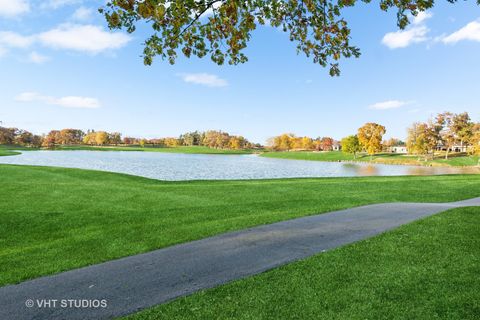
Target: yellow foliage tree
(101,138)
(370,136)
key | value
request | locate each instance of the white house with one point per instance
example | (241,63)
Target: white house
(398,149)
(336,146)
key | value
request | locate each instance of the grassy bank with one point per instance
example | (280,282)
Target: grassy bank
(425,270)
(56,219)
(8,150)
(5,152)
(385,158)
(182,149)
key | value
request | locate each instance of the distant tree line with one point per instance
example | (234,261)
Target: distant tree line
(288,141)
(368,139)
(19,137)
(211,139)
(445,132)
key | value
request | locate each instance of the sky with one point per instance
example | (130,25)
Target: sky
(60,67)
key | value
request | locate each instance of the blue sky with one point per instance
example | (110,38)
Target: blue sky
(60,67)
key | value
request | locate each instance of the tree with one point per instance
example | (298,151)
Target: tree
(115,138)
(370,137)
(23,138)
(351,145)
(326,144)
(90,138)
(286,141)
(237,142)
(307,143)
(101,138)
(191,138)
(129,140)
(51,139)
(462,127)
(7,135)
(446,132)
(37,141)
(422,139)
(221,29)
(71,136)
(475,140)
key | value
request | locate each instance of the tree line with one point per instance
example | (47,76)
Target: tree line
(369,139)
(211,138)
(442,133)
(288,141)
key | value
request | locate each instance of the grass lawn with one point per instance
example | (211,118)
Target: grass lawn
(5,152)
(8,150)
(56,219)
(424,270)
(386,158)
(182,149)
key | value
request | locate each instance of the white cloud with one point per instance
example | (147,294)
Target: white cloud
(15,40)
(86,38)
(67,102)
(470,32)
(13,8)
(82,14)
(37,58)
(421,17)
(206,79)
(414,34)
(55,4)
(389,104)
(404,38)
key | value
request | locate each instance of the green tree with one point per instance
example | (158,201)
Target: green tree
(221,29)
(351,145)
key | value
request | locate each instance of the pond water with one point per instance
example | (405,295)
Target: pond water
(172,166)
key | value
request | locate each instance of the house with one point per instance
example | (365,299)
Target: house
(336,146)
(398,149)
(455,148)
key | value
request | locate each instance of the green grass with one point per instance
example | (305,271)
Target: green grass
(55,219)
(425,270)
(182,149)
(460,161)
(5,152)
(8,150)
(386,158)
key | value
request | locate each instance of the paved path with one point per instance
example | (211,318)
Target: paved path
(137,282)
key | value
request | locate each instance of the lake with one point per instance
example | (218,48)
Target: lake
(173,166)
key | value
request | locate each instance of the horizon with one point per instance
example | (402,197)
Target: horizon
(64,69)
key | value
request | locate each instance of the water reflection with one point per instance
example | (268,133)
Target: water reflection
(165,166)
